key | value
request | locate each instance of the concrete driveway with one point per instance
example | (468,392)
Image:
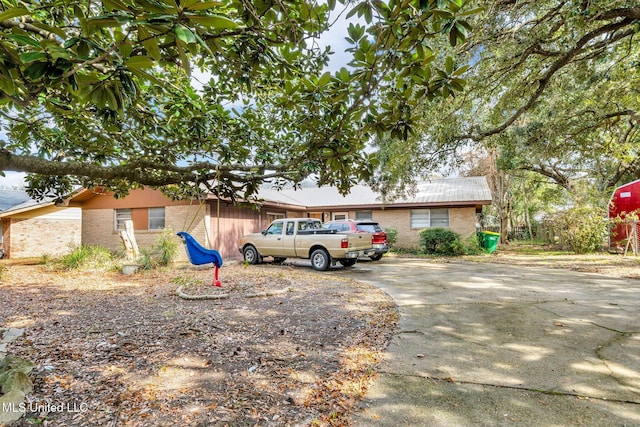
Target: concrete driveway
(489,344)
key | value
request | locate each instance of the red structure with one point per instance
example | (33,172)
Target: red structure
(624,204)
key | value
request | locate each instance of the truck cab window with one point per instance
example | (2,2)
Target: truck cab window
(276,228)
(290,228)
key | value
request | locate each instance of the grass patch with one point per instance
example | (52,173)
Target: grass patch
(86,257)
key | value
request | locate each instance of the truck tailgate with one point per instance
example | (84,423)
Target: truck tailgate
(359,241)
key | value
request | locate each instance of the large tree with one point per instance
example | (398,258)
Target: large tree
(102,93)
(553,89)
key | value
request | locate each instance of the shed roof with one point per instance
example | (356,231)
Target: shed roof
(11,198)
(436,192)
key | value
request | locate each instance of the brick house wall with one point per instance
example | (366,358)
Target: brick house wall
(98,228)
(461,220)
(35,237)
(198,219)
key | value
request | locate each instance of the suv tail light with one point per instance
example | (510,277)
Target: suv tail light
(344,243)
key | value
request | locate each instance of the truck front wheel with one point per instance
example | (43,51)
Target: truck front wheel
(320,260)
(251,255)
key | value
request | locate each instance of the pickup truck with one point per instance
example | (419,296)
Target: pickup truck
(305,238)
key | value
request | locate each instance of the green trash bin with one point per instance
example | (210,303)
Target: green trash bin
(489,241)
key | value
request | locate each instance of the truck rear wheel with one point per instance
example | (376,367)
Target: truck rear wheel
(320,260)
(251,255)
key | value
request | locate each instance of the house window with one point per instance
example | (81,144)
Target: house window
(143,218)
(425,218)
(364,215)
(156,218)
(440,217)
(122,215)
(339,216)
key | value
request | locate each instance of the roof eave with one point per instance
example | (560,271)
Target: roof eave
(464,203)
(11,212)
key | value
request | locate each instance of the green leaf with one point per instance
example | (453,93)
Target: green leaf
(355,32)
(448,65)
(460,70)
(57,52)
(143,75)
(218,22)
(32,56)
(324,79)
(204,5)
(184,34)
(104,22)
(139,61)
(36,70)
(354,11)
(472,11)
(149,42)
(184,60)
(114,4)
(13,13)
(24,40)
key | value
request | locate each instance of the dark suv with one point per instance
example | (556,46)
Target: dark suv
(379,240)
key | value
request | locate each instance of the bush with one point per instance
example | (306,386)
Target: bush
(472,245)
(146,261)
(441,241)
(582,229)
(87,257)
(162,253)
(166,248)
(392,237)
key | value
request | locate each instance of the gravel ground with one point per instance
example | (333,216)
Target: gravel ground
(284,346)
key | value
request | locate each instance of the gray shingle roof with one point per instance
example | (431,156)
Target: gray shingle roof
(436,192)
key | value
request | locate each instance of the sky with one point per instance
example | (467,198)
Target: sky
(12,180)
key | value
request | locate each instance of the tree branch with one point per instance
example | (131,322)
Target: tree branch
(141,171)
(629,17)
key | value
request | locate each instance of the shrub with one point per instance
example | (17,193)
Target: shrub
(441,241)
(146,260)
(582,229)
(162,253)
(166,248)
(392,237)
(472,245)
(85,257)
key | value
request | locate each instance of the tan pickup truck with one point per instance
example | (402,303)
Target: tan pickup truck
(305,238)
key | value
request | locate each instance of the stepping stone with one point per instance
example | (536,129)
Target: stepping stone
(12,334)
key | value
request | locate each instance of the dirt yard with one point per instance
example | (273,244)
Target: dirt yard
(284,346)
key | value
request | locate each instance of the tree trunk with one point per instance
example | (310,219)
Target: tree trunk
(129,240)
